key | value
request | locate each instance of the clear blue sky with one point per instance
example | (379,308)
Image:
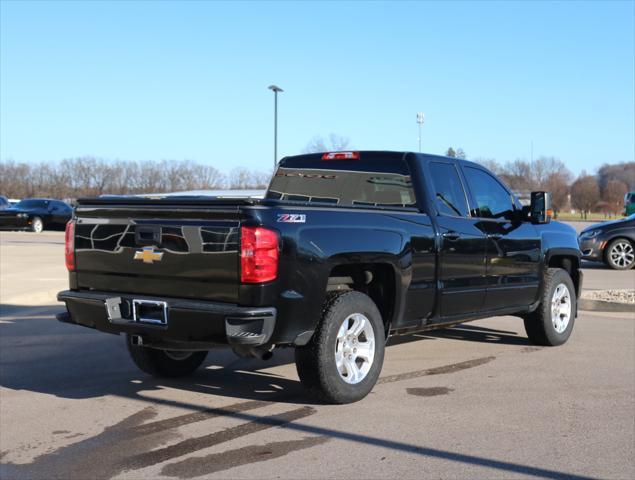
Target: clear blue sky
(189,80)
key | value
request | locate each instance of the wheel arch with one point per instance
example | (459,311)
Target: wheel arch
(378,280)
(570,262)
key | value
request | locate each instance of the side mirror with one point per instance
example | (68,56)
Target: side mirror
(540,209)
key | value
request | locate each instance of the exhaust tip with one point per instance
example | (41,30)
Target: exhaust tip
(136,340)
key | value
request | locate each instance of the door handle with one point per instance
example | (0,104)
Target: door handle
(451,236)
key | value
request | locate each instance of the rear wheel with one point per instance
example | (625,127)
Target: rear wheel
(552,322)
(342,362)
(37,225)
(164,363)
(620,254)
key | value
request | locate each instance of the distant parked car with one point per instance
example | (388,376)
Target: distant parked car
(610,242)
(4,202)
(36,214)
(629,203)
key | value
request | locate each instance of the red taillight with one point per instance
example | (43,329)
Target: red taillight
(258,255)
(341,156)
(69,245)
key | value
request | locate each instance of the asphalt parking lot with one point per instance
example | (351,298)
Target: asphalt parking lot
(475,401)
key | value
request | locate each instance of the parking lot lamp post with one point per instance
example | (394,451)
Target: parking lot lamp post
(420,122)
(275,90)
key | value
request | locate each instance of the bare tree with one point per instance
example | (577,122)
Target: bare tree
(613,196)
(334,143)
(517,175)
(585,194)
(558,185)
(241,179)
(490,164)
(624,172)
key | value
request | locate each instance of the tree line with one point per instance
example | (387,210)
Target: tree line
(88,176)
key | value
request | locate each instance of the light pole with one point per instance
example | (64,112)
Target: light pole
(275,90)
(420,122)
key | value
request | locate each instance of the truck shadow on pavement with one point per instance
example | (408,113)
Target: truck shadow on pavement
(42,355)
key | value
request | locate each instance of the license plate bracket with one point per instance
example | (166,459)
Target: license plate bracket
(150,311)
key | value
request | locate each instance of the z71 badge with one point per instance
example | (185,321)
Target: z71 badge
(291,218)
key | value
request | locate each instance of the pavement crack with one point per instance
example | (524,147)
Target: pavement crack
(199,416)
(454,367)
(199,443)
(429,392)
(107,454)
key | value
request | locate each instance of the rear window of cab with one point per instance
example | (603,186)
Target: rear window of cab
(369,180)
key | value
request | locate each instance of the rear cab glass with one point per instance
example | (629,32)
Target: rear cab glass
(375,179)
(449,195)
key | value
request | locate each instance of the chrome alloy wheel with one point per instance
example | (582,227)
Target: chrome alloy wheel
(561,308)
(622,254)
(355,348)
(37,225)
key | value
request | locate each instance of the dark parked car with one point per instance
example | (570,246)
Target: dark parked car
(610,242)
(36,214)
(346,249)
(4,203)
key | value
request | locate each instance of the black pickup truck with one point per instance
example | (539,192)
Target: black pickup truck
(346,249)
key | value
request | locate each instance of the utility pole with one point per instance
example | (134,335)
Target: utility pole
(420,122)
(275,90)
(532,152)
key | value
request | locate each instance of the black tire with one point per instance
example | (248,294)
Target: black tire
(158,363)
(315,362)
(37,225)
(539,325)
(628,262)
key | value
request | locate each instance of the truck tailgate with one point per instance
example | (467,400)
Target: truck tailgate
(163,248)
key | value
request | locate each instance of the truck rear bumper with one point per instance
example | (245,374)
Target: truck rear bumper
(189,324)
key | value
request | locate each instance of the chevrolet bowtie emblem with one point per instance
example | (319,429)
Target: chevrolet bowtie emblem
(148,255)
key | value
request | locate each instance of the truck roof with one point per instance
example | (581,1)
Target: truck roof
(298,160)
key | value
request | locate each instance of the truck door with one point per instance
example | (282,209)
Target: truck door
(513,246)
(462,283)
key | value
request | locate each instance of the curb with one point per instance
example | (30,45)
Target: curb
(603,306)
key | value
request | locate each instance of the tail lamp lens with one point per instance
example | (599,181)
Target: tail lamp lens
(69,245)
(258,255)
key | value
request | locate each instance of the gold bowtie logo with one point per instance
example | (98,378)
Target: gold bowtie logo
(148,255)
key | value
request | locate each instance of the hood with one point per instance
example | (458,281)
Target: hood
(608,223)
(17,210)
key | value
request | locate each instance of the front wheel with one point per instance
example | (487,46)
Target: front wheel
(37,225)
(552,322)
(342,362)
(164,363)
(620,254)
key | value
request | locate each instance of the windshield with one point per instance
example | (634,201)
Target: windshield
(32,204)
